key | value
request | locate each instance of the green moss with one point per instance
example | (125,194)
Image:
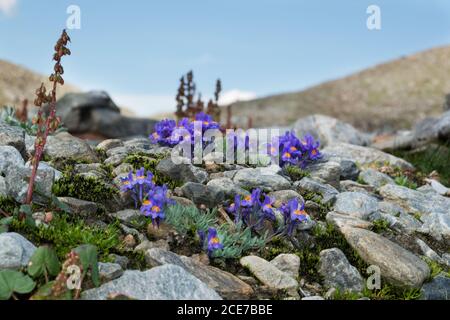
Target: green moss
(139,160)
(101,154)
(296,173)
(64,234)
(380,226)
(8,204)
(84,188)
(387,292)
(435,268)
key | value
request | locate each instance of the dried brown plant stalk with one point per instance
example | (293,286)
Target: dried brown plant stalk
(47,125)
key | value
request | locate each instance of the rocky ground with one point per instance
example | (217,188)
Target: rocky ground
(368,207)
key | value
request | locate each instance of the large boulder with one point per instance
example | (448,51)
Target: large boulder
(12,136)
(330,130)
(398,266)
(94,112)
(365,156)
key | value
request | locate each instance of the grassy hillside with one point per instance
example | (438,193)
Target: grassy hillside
(391,95)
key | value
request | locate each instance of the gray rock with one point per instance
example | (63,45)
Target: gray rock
(120,260)
(260,178)
(365,156)
(288,263)
(427,251)
(226,284)
(122,168)
(327,191)
(375,178)
(313,298)
(94,112)
(284,196)
(184,172)
(352,186)
(146,245)
(326,172)
(210,196)
(168,282)
(356,204)
(65,146)
(437,225)
(229,188)
(115,160)
(345,220)
(12,136)
(437,289)
(15,251)
(338,272)
(432,129)
(330,130)
(415,201)
(128,216)
(10,159)
(80,207)
(398,266)
(18,178)
(110,144)
(269,275)
(109,271)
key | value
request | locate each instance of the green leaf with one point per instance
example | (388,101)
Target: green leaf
(44,260)
(89,261)
(58,204)
(26,208)
(14,281)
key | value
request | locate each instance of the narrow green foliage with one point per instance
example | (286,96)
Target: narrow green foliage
(380,226)
(236,239)
(296,173)
(405,182)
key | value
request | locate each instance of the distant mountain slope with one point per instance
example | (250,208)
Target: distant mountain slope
(18,83)
(391,95)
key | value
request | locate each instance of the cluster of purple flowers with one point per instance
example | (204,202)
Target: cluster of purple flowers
(253,209)
(294,151)
(152,198)
(170,133)
(210,241)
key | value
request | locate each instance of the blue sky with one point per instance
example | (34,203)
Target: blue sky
(138,49)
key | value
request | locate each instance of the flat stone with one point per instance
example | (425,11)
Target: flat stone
(398,266)
(287,263)
(167,282)
(356,204)
(128,216)
(345,220)
(15,251)
(269,275)
(338,272)
(365,156)
(224,283)
(110,144)
(80,207)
